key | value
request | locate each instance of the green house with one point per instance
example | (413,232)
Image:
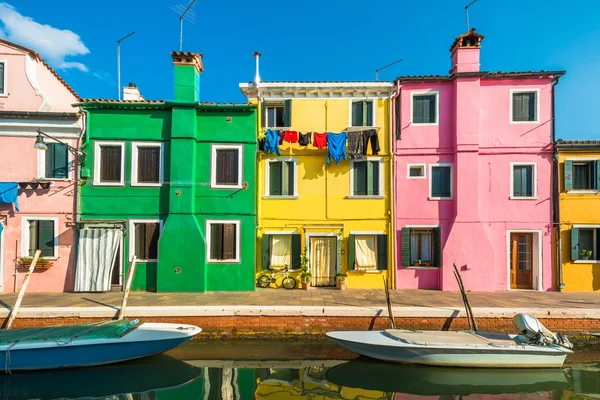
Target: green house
(171,183)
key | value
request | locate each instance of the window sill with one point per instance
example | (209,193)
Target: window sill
(236,261)
(425,268)
(363,197)
(144,261)
(146,184)
(416,177)
(281,197)
(44,179)
(440,198)
(586,261)
(582,191)
(376,271)
(278,128)
(119,184)
(522,198)
(360,128)
(424,124)
(524,122)
(240,186)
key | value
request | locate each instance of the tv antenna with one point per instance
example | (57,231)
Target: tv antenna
(467,12)
(186,12)
(119,62)
(385,66)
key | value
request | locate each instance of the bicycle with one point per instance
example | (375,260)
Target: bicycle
(288,282)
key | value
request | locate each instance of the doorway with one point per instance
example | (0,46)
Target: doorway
(323,260)
(521,260)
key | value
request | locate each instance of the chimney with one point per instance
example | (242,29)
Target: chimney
(256,54)
(187,72)
(465,52)
(132,92)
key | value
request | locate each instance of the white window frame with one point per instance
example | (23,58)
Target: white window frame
(581,191)
(597,258)
(25,234)
(367,233)
(417,93)
(41,163)
(97,162)
(443,164)
(131,235)
(134,163)
(373,105)
(283,232)
(268,179)
(237,223)
(266,116)
(381,189)
(421,165)
(5,92)
(534,180)
(537,105)
(213,165)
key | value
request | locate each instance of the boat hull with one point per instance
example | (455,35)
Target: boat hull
(376,344)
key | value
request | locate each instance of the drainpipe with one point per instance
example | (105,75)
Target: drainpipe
(393,137)
(556,190)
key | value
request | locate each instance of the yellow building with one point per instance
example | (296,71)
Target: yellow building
(579,212)
(337,217)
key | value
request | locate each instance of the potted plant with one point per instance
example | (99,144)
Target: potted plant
(304,275)
(417,263)
(586,254)
(429,263)
(41,262)
(340,279)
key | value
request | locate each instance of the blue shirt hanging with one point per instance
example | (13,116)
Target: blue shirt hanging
(9,192)
(272,142)
(336,146)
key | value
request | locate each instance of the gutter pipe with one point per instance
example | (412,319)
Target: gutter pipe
(556,189)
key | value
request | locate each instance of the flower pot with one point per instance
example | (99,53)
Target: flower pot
(306,285)
(416,264)
(341,284)
(428,264)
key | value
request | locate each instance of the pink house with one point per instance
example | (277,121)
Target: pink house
(33,97)
(473,176)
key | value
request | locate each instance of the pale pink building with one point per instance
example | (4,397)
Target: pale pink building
(34,97)
(473,176)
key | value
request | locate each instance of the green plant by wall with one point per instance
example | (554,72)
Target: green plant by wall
(305,275)
(586,254)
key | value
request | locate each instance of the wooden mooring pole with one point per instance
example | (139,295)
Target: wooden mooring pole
(13,313)
(389,304)
(461,286)
(130,274)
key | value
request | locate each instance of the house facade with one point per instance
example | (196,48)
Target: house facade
(171,184)
(473,176)
(579,215)
(324,174)
(38,188)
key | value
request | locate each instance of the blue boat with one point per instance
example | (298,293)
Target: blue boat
(90,344)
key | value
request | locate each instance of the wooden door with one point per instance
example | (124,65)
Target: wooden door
(323,256)
(521,260)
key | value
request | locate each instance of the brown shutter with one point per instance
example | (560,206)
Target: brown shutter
(227,167)
(149,164)
(110,163)
(216,241)
(152,233)
(229,242)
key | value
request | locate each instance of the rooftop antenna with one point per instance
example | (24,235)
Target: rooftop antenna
(119,62)
(185,12)
(385,66)
(467,12)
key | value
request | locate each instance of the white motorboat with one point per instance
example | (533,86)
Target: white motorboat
(534,347)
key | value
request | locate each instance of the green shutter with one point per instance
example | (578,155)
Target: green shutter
(517,107)
(357,113)
(375,181)
(287,113)
(596,177)
(574,244)
(360,178)
(365,113)
(370,178)
(50,161)
(432,109)
(266,251)
(285,174)
(436,182)
(568,175)
(33,237)
(405,233)
(263,114)
(517,181)
(382,252)
(291,178)
(275,178)
(46,238)
(351,243)
(437,247)
(296,250)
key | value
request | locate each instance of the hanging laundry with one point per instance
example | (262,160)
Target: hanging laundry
(290,136)
(272,142)
(336,146)
(304,139)
(281,137)
(355,144)
(320,140)
(371,135)
(9,192)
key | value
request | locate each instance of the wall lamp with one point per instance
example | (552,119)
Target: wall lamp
(41,145)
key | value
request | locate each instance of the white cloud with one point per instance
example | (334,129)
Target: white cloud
(55,45)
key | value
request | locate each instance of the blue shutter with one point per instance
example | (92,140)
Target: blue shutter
(568,175)
(574,244)
(46,238)
(517,181)
(446,182)
(436,182)
(418,109)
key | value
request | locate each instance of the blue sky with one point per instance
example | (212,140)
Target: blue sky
(312,40)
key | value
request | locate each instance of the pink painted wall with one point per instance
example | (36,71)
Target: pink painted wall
(19,163)
(476,136)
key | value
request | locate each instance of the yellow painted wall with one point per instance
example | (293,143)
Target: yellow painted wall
(323,204)
(577,209)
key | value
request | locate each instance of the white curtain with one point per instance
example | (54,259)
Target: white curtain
(425,254)
(366,252)
(96,255)
(281,251)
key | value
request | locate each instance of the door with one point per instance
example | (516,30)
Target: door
(521,260)
(323,258)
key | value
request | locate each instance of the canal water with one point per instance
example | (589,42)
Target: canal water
(232,370)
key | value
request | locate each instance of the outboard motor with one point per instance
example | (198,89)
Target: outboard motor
(538,334)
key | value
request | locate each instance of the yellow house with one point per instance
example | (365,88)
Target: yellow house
(336,216)
(579,215)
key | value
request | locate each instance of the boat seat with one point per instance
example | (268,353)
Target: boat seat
(450,338)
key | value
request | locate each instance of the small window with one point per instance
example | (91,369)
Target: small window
(57,161)
(281,251)
(282,179)
(366,178)
(362,113)
(524,106)
(226,167)
(147,164)
(3,78)
(275,116)
(145,240)
(584,242)
(441,182)
(416,171)
(365,252)
(421,247)
(109,163)
(523,181)
(41,236)
(424,109)
(582,175)
(223,241)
